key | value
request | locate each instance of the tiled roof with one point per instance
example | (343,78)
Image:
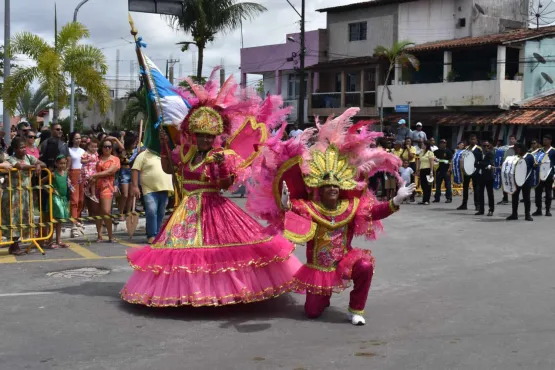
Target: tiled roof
(360,5)
(496,39)
(546,101)
(518,116)
(346,62)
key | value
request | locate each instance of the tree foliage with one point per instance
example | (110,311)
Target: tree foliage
(396,55)
(136,107)
(54,65)
(204,19)
(30,103)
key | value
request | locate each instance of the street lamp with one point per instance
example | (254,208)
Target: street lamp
(72,106)
(6,117)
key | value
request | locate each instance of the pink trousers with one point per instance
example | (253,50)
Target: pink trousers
(362,278)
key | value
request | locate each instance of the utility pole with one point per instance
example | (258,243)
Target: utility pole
(116,95)
(7,61)
(72,98)
(169,64)
(300,108)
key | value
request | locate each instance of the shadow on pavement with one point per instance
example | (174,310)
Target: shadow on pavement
(245,318)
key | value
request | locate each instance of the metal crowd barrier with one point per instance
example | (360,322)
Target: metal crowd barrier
(26,211)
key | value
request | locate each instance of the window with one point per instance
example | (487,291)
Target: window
(112,93)
(293,88)
(357,31)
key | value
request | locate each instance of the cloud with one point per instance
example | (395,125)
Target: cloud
(107,22)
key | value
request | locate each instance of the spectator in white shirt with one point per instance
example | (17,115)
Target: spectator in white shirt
(296,131)
(418,136)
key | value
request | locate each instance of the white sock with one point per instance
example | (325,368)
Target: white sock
(356,319)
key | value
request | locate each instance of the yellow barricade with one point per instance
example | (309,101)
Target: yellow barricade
(26,207)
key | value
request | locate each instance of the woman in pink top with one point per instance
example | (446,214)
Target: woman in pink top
(30,147)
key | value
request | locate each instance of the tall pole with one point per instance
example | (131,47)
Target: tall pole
(72,98)
(7,122)
(300,108)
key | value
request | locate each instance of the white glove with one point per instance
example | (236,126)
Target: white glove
(403,193)
(285,203)
(489,167)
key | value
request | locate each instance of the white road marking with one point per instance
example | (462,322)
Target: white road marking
(24,294)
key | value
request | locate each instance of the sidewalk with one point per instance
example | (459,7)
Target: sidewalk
(90,229)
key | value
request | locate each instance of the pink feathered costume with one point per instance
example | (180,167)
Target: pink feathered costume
(210,252)
(332,262)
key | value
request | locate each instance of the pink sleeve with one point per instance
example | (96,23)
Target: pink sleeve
(382,210)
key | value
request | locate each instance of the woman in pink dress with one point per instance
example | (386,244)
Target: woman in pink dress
(210,252)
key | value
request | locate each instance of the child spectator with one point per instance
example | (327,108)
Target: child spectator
(406,173)
(89,161)
(60,197)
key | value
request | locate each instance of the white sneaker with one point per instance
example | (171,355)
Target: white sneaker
(355,319)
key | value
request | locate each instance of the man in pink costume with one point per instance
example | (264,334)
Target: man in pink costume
(334,207)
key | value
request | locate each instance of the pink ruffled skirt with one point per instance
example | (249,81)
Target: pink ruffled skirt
(312,280)
(210,253)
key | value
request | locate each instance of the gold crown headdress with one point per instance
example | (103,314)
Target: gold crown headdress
(206,120)
(330,168)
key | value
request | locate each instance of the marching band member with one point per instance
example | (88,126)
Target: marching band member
(530,161)
(444,170)
(485,172)
(548,183)
(477,151)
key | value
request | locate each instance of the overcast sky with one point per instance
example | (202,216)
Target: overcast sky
(107,22)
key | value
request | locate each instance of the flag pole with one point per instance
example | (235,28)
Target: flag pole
(148,84)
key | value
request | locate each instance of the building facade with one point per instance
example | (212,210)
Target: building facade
(278,66)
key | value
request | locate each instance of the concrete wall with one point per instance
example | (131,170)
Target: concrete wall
(93,115)
(433,20)
(534,83)
(381,30)
(452,94)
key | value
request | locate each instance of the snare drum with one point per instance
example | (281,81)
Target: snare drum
(508,170)
(468,161)
(501,154)
(457,170)
(543,169)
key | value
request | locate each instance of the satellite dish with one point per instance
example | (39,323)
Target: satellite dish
(539,59)
(479,9)
(547,77)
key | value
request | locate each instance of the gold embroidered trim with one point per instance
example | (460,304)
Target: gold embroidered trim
(286,166)
(338,224)
(299,238)
(263,137)
(356,312)
(197,300)
(186,158)
(321,268)
(330,168)
(199,191)
(163,246)
(207,267)
(392,207)
(321,290)
(341,208)
(206,120)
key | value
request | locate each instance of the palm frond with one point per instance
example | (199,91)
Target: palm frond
(15,85)
(71,34)
(400,46)
(406,58)
(79,57)
(231,17)
(96,89)
(28,44)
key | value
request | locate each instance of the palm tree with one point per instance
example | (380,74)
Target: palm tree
(396,55)
(31,103)
(55,64)
(205,18)
(136,105)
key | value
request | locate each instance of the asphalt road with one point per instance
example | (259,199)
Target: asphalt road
(451,291)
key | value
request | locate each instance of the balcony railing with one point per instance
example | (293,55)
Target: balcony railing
(352,99)
(326,100)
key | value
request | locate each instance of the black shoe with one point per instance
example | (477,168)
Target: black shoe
(528,218)
(462,208)
(548,214)
(503,202)
(421,203)
(435,201)
(448,200)
(512,217)
(490,213)
(537,213)
(479,213)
